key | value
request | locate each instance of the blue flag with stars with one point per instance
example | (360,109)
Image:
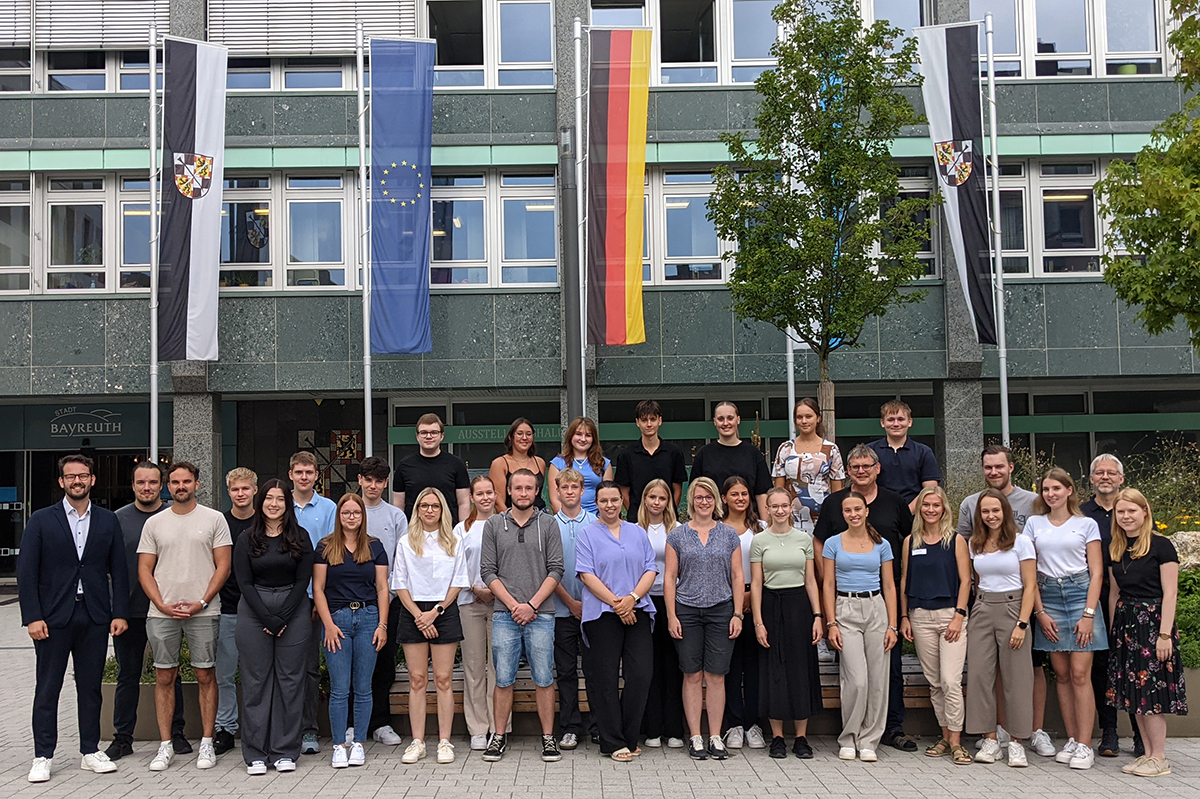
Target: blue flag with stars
(401,153)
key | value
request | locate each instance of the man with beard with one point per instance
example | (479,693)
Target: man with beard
(183,560)
(70,552)
(130,648)
(521,561)
(998,469)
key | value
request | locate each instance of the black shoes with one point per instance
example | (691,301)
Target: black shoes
(778,748)
(180,744)
(223,742)
(550,753)
(1110,744)
(801,749)
(696,748)
(1139,748)
(898,740)
(716,748)
(120,747)
(497,746)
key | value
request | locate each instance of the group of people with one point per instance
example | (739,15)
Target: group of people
(581,559)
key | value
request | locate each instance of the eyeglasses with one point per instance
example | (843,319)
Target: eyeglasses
(777,506)
(861,467)
(351,514)
(76,478)
(702,498)
(429,433)
(427,506)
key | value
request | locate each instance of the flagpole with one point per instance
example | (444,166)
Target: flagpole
(580,210)
(154,167)
(997,241)
(365,239)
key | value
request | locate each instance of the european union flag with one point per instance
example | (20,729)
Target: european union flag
(401,153)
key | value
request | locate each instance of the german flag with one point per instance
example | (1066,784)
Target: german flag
(618,94)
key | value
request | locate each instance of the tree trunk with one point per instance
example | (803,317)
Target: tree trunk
(825,394)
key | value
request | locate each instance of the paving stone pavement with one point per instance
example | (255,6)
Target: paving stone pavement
(582,774)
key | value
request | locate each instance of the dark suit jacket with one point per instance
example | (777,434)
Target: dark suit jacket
(49,569)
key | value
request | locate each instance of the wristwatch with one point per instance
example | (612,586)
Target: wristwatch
(1164,636)
(203,605)
(739,616)
(439,609)
(635,596)
(961,611)
(1024,625)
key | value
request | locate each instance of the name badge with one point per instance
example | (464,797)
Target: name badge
(920,551)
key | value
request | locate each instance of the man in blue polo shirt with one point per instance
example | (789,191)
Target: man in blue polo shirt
(905,466)
(315,514)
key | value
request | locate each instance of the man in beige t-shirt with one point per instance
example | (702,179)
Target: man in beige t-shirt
(183,560)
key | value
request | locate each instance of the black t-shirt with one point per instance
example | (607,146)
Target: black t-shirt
(635,468)
(444,471)
(720,462)
(272,569)
(888,514)
(1103,520)
(132,520)
(230,594)
(349,581)
(1140,579)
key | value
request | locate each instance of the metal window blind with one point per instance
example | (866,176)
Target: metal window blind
(305,27)
(15,17)
(97,24)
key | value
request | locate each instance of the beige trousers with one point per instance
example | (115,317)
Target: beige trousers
(864,670)
(942,663)
(479,678)
(993,619)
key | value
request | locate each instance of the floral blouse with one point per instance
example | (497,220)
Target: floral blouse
(808,475)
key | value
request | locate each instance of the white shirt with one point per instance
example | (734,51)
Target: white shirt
(747,538)
(657,533)
(1062,550)
(471,543)
(427,577)
(80,526)
(1000,572)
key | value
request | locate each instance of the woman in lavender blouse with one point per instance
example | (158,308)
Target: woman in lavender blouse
(615,563)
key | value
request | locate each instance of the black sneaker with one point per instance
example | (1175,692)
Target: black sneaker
(223,742)
(550,752)
(1139,748)
(497,746)
(778,748)
(716,748)
(1110,744)
(120,747)
(801,749)
(179,743)
(696,748)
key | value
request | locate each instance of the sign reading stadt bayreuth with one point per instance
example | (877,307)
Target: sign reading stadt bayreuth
(103,426)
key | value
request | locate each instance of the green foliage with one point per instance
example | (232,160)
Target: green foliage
(1187,618)
(1154,203)
(1169,476)
(811,198)
(186,672)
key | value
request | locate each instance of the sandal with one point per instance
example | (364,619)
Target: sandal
(622,755)
(940,749)
(637,752)
(960,755)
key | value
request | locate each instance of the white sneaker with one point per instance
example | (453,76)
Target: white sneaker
(207,757)
(988,752)
(445,751)
(846,753)
(1040,742)
(754,738)
(1067,752)
(349,735)
(257,768)
(674,743)
(867,755)
(285,764)
(1084,757)
(98,762)
(1002,735)
(387,736)
(414,752)
(654,743)
(568,741)
(358,755)
(340,759)
(40,770)
(824,653)
(166,753)
(478,743)
(1016,755)
(734,738)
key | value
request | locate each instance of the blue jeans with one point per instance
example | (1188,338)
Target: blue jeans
(535,640)
(227,665)
(352,666)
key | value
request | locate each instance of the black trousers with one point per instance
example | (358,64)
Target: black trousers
(568,645)
(384,675)
(742,681)
(616,649)
(895,710)
(130,650)
(664,708)
(86,644)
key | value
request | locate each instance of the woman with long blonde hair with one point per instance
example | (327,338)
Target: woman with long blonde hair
(1145,671)
(664,709)
(936,577)
(351,594)
(429,572)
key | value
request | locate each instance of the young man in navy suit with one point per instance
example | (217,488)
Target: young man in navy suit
(70,552)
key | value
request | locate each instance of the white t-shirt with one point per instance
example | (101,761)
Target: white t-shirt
(1000,572)
(747,538)
(428,576)
(657,533)
(472,547)
(183,545)
(1062,550)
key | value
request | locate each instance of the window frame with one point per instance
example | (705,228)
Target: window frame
(492,67)
(21,199)
(310,196)
(104,197)
(28,72)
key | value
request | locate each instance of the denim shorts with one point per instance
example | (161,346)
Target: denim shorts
(535,640)
(1064,599)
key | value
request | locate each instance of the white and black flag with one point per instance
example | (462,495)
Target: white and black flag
(189,244)
(950,66)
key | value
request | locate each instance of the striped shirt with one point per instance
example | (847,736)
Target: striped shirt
(704,571)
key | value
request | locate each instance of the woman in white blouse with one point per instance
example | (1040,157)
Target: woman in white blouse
(664,710)
(429,571)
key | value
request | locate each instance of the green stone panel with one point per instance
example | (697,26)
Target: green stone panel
(527,325)
(1073,101)
(16,333)
(760,368)
(623,371)
(912,365)
(464,326)
(391,374)
(743,105)
(311,116)
(311,330)
(15,381)
(126,117)
(127,332)
(1025,315)
(241,377)
(1087,361)
(696,323)
(1016,103)
(247,330)
(456,113)
(523,116)
(529,372)
(16,118)
(68,380)
(1079,315)
(652,302)
(1133,334)
(130,379)
(751,337)
(919,326)
(1157,361)
(1025,363)
(249,115)
(324,376)
(1142,101)
(691,113)
(696,370)
(69,333)
(854,365)
(477,373)
(68,117)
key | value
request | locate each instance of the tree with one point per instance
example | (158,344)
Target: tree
(1154,203)
(823,241)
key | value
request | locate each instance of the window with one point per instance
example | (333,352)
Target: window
(135,70)
(916,183)
(246,232)
(1006,43)
(76,71)
(687,37)
(459,253)
(525,46)
(76,246)
(1062,29)
(248,73)
(692,251)
(1131,30)
(530,232)
(312,73)
(1070,237)
(14,234)
(754,31)
(14,69)
(902,14)
(135,245)
(617,13)
(520,53)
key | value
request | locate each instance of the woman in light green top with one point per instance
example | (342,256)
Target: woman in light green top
(788,623)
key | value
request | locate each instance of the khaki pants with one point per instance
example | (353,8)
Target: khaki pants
(479,678)
(941,662)
(864,670)
(993,618)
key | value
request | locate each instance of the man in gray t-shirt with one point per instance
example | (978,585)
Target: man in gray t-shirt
(997,470)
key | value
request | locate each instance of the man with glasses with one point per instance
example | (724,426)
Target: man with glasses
(69,553)
(430,467)
(887,512)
